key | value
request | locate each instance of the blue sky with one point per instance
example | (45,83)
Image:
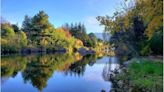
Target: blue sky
(60,11)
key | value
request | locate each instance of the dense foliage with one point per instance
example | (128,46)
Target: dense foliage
(136,29)
(79,32)
(11,40)
(38,33)
(41,32)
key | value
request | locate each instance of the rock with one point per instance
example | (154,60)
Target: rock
(84,52)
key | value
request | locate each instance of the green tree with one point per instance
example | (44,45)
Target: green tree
(35,27)
(23,39)
(15,27)
(137,26)
(93,39)
(12,41)
(7,31)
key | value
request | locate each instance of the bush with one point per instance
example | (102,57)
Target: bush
(144,74)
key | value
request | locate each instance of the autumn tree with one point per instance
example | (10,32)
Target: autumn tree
(78,30)
(137,26)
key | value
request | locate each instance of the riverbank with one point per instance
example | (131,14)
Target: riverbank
(25,51)
(140,75)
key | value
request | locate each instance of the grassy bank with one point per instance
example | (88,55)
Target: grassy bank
(144,74)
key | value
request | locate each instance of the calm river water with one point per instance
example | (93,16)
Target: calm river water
(56,73)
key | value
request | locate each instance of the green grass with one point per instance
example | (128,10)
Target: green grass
(145,73)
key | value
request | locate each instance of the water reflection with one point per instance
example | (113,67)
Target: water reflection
(11,66)
(109,67)
(42,71)
(78,67)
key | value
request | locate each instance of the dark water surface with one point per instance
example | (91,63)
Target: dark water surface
(56,73)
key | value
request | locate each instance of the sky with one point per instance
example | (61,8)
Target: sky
(60,11)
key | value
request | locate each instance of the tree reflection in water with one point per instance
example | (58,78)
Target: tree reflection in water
(78,67)
(110,67)
(41,68)
(11,66)
(38,69)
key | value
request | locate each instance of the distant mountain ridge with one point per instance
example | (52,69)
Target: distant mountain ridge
(103,36)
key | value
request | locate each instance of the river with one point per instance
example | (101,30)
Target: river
(56,73)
